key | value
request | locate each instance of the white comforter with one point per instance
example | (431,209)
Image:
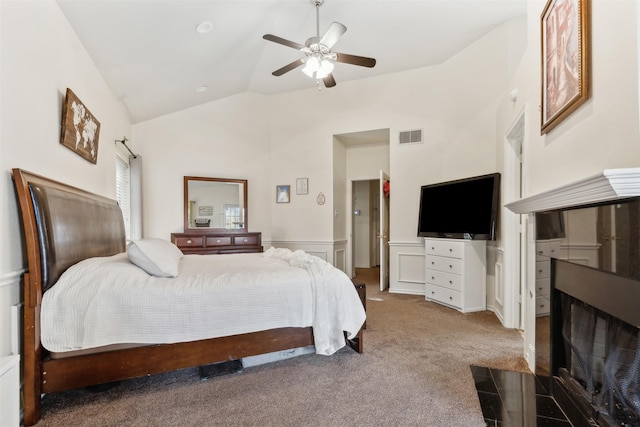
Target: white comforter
(104,301)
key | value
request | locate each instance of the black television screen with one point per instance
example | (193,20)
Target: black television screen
(461,209)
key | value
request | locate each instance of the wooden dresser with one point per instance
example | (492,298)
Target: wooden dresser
(217,242)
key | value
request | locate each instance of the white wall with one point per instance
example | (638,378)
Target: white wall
(454,103)
(226,139)
(41,58)
(601,134)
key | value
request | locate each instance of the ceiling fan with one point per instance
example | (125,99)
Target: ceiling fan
(318,58)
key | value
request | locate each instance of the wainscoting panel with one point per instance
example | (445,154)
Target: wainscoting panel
(332,252)
(10,324)
(407,269)
(10,296)
(10,390)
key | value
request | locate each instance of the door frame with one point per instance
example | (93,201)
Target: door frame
(514,239)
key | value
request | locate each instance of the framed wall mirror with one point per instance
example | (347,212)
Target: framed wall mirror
(215,204)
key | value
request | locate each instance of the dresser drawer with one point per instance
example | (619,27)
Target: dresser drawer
(444,248)
(543,287)
(245,240)
(440,263)
(189,242)
(446,280)
(543,269)
(443,295)
(542,306)
(218,241)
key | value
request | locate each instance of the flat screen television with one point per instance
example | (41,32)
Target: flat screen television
(461,209)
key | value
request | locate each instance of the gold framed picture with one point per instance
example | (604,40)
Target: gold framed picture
(565,42)
(80,129)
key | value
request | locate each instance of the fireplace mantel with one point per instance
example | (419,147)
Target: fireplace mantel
(610,185)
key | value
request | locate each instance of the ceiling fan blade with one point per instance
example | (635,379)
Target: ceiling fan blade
(355,60)
(333,34)
(282,41)
(295,64)
(329,81)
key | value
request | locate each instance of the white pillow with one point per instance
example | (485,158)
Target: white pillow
(155,256)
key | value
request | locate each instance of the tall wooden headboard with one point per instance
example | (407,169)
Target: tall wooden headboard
(62,225)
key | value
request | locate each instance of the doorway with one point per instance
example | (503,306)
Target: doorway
(364,229)
(510,288)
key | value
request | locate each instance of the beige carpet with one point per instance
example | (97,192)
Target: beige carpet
(414,372)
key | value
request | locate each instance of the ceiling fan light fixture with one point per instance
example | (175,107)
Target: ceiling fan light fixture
(326,67)
(317,68)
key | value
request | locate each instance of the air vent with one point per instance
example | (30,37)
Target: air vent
(411,136)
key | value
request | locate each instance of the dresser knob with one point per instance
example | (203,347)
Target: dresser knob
(433,293)
(189,242)
(451,298)
(245,240)
(450,266)
(433,278)
(218,241)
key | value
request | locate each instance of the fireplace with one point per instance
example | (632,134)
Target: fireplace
(595,354)
(587,294)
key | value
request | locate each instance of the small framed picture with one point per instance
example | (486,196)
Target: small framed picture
(283,193)
(302,186)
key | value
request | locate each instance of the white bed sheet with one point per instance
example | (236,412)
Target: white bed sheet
(105,301)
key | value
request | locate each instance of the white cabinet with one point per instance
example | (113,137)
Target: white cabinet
(545,250)
(456,273)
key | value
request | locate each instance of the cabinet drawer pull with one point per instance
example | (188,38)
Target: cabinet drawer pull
(450,266)
(245,240)
(189,241)
(433,278)
(451,298)
(218,241)
(433,293)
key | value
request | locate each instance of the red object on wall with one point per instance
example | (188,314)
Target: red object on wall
(386,188)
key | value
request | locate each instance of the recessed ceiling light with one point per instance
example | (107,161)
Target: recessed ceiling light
(201,89)
(204,27)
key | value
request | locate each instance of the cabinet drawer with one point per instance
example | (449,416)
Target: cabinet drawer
(218,240)
(542,306)
(189,242)
(446,280)
(543,269)
(443,295)
(548,248)
(245,240)
(444,248)
(440,263)
(543,287)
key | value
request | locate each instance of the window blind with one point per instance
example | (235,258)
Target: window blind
(123,192)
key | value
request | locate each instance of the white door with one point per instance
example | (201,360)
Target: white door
(383,233)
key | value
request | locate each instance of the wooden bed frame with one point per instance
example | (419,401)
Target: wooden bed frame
(64,225)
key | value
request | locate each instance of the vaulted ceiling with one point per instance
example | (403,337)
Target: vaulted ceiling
(154,59)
